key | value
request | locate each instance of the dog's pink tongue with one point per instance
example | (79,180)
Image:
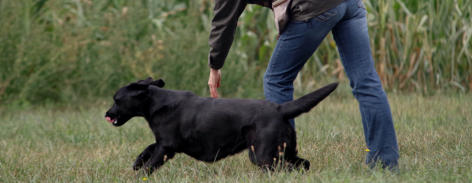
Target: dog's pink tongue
(109,119)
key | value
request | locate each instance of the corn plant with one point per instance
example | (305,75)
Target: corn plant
(66,50)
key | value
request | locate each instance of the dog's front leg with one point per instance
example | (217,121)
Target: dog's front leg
(158,158)
(144,156)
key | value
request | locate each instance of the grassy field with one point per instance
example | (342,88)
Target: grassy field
(54,144)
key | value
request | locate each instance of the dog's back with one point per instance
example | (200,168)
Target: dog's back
(216,128)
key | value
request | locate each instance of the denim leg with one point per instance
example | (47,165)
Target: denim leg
(294,47)
(352,39)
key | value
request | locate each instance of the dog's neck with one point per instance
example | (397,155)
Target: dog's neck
(159,102)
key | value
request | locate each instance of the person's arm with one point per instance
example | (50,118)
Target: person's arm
(223,26)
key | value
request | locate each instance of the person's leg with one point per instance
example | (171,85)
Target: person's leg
(294,47)
(352,38)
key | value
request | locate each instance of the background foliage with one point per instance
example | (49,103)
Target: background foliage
(69,50)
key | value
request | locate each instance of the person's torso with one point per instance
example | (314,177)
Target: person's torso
(301,10)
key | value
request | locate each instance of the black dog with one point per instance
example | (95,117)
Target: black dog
(211,129)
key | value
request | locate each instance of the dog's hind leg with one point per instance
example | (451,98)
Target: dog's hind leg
(297,163)
(263,153)
(288,152)
(144,157)
(158,158)
(268,159)
(265,160)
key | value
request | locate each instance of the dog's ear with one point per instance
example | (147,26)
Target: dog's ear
(159,83)
(147,81)
(144,84)
(137,86)
(141,84)
(138,89)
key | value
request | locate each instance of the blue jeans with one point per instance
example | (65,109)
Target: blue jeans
(349,28)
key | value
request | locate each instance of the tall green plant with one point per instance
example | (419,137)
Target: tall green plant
(60,51)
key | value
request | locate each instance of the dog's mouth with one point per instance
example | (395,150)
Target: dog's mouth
(118,120)
(113,121)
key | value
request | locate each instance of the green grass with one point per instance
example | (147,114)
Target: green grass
(76,144)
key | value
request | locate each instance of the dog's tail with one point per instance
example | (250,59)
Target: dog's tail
(303,104)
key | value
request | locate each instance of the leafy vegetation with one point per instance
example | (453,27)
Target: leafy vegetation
(68,50)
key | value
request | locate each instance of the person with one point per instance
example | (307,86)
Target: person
(310,21)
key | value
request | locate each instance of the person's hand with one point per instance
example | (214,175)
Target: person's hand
(214,82)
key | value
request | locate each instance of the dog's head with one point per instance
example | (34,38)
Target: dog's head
(129,101)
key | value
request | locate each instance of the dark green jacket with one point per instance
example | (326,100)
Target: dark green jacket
(226,17)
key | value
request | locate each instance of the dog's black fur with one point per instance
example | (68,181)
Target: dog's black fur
(211,129)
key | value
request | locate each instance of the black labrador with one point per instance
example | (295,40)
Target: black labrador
(211,129)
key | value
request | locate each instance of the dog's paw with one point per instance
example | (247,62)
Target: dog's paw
(136,167)
(148,169)
(302,163)
(299,164)
(138,164)
(306,165)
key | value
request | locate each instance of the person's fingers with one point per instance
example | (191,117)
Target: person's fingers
(218,77)
(214,82)
(213,92)
(213,88)
(218,83)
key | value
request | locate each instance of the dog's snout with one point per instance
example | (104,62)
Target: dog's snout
(111,115)
(111,112)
